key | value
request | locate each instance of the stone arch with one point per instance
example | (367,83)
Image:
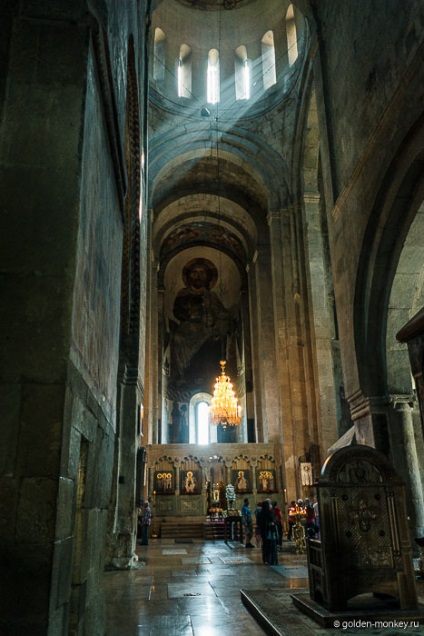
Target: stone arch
(196,141)
(396,206)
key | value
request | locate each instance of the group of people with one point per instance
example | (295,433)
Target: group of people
(268,529)
(307,513)
(269,525)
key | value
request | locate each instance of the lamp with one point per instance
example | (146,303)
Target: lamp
(224,407)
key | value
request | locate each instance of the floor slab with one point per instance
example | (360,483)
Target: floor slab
(198,590)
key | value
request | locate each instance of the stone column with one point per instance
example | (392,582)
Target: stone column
(405,460)
(249,433)
(290,343)
(58,399)
(255,401)
(322,304)
(123,550)
(266,378)
(157,426)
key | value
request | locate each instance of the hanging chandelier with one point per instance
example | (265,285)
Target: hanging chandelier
(224,407)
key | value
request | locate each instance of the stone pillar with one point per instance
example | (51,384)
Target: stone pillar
(124,538)
(326,346)
(266,378)
(58,400)
(154,378)
(290,297)
(256,396)
(405,460)
(249,433)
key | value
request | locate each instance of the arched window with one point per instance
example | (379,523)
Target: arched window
(213,93)
(184,71)
(293,52)
(242,73)
(201,430)
(159,53)
(268,60)
(202,423)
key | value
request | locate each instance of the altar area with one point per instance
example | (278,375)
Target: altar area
(185,483)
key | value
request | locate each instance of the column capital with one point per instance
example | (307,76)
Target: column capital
(361,405)
(403,402)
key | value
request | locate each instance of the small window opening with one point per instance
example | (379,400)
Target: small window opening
(213,93)
(269,71)
(184,71)
(202,421)
(293,52)
(159,52)
(242,73)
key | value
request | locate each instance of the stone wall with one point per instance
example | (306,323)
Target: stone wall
(369,68)
(62,183)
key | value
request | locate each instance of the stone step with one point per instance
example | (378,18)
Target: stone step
(192,530)
(213,531)
(181,530)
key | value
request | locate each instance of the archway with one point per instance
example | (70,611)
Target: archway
(389,291)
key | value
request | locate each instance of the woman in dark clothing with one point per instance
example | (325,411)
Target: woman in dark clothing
(310,520)
(268,527)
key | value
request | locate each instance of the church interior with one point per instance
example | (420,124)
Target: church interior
(196,194)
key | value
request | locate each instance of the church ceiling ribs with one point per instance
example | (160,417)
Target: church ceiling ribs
(199,234)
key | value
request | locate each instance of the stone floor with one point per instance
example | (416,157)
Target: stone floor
(194,589)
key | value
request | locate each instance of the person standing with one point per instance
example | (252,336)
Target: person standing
(291,519)
(268,528)
(246,519)
(279,521)
(316,510)
(146,520)
(310,520)
(258,537)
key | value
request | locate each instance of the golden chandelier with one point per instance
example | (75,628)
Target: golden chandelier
(224,407)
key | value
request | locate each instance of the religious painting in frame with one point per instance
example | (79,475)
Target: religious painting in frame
(242,481)
(190,482)
(265,480)
(164,482)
